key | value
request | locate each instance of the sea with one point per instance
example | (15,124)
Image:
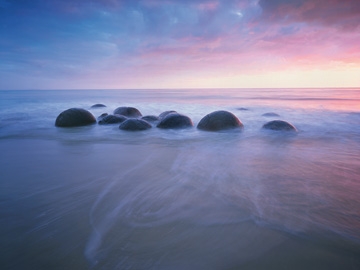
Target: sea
(97,197)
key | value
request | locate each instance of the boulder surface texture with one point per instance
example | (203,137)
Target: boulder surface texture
(175,121)
(163,114)
(112,119)
(150,118)
(279,125)
(219,120)
(128,112)
(98,105)
(132,124)
(75,117)
(102,116)
(270,114)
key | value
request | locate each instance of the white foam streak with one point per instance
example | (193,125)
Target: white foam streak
(102,227)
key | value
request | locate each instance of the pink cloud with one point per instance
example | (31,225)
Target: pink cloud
(266,50)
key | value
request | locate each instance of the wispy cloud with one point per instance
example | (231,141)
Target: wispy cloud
(161,39)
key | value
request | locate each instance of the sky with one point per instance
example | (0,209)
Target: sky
(116,44)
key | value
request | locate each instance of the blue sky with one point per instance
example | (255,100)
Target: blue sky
(62,44)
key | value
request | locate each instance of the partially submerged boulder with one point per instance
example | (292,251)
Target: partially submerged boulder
(74,117)
(163,114)
(219,120)
(175,120)
(133,124)
(279,125)
(98,105)
(128,112)
(270,114)
(112,119)
(150,118)
(102,116)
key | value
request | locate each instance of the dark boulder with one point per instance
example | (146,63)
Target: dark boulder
(132,124)
(98,106)
(150,118)
(102,116)
(270,114)
(112,119)
(279,125)
(219,120)
(128,112)
(74,117)
(162,115)
(175,121)
(243,109)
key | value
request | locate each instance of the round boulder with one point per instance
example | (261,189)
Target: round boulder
(150,118)
(134,125)
(270,114)
(75,117)
(128,112)
(102,116)
(175,121)
(219,120)
(112,119)
(98,106)
(279,125)
(162,115)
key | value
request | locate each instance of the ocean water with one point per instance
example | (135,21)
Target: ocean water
(96,197)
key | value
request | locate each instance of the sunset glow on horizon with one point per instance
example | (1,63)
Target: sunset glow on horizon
(114,44)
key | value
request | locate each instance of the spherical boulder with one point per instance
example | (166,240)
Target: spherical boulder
(163,114)
(128,112)
(95,106)
(75,117)
(279,125)
(270,114)
(219,120)
(102,116)
(175,121)
(150,118)
(112,119)
(132,124)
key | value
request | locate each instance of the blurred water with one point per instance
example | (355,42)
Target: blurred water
(97,197)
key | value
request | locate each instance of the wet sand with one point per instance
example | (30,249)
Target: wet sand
(83,205)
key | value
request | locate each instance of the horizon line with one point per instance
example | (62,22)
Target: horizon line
(169,88)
